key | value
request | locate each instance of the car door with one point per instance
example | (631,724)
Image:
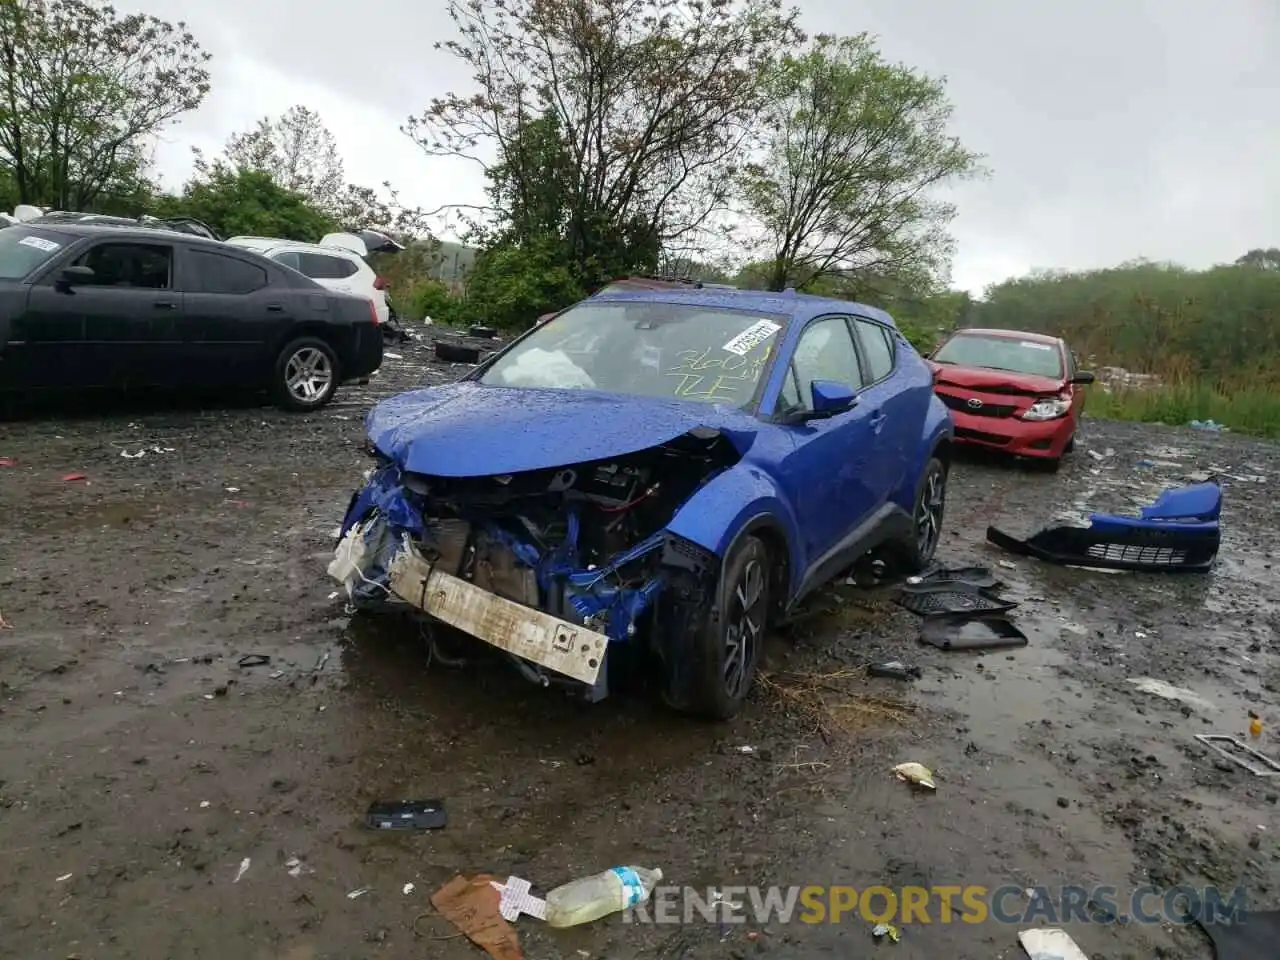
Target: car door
(119,327)
(232,316)
(825,475)
(891,410)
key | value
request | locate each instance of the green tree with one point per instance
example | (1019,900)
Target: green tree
(81,90)
(614,123)
(1268,259)
(510,287)
(247,202)
(299,153)
(854,148)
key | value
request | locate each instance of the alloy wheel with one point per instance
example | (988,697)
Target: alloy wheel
(744,630)
(308,375)
(929,513)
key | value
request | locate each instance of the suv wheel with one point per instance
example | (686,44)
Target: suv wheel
(728,648)
(306,375)
(918,548)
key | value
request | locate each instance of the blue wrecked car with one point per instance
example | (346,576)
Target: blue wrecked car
(659,474)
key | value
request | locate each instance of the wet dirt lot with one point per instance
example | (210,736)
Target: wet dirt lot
(141,767)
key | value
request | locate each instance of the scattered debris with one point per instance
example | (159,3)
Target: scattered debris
(5,624)
(406,815)
(1211,426)
(986,631)
(232,489)
(590,898)
(1050,944)
(915,773)
(73,477)
(62,879)
(253,660)
(8,462)
(1168,691)
(392,356)
(882,930)
(407,889)
(516,899)
(1255,721)
(244,868)
(143,451)
(895,670)
(295,867)
(456,352)
(746,749)
(1241,754)
(1243,940)
(204,804)
(357,893)
(941,597)
(485,333)
(473,907)
(1179,531)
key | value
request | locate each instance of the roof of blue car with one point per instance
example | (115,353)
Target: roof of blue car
(798,306)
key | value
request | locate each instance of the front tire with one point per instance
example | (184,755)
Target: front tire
(926,518)
(305,376)
(728,648)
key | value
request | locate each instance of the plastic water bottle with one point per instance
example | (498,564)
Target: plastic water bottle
(590,898)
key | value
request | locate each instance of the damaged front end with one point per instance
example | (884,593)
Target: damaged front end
(555,567)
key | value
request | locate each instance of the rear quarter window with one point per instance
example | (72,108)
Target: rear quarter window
(216,273)
(877,347)
(321,266)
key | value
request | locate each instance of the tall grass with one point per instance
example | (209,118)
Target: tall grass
(1245,405)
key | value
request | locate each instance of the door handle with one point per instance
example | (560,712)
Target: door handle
(275,308)
(166,305)
(877,421)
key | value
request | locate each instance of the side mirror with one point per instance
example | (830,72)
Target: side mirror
(830,398)
(74,275)
(1083,377)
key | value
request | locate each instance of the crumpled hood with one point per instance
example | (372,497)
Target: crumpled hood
(1003,381)
(471,430)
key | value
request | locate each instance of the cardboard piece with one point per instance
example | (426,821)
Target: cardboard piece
(473,907)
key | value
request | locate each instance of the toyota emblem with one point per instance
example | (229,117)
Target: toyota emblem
(974,402)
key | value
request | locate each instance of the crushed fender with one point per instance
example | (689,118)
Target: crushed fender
(1180,531)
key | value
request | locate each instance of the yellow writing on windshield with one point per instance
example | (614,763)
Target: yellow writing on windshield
(716,378)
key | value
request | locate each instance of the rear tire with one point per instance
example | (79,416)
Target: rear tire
(305,375)
(728,648)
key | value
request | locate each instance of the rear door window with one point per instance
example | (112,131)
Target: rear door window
(216,273)
(877,348)
(320,266)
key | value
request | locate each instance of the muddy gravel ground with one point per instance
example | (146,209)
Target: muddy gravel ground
(142,769)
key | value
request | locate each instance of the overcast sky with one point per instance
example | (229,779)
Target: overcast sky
(1114,128)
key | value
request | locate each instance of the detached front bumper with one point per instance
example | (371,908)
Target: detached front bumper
(569,649)
(1045,439)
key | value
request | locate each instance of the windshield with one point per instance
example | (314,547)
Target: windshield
(22,250)
(676,351)
(1001,353)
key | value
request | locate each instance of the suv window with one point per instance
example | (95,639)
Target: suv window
(288,258)
(825,352)
(144,266)
(217,273)
(22,250)
(320,266)
(877,347)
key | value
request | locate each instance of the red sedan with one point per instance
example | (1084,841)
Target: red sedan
(1011,391)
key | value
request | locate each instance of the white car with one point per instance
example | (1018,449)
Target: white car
(336,262)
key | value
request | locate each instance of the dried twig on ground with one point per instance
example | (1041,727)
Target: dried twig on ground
(825,700)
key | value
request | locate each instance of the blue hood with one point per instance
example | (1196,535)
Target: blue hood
(469,430)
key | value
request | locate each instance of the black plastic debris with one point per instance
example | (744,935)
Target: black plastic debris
(965,632)
(253,660)
(1251,936)
(932,598)
(980,577)
(1179,532)
(406,815)
(486,333)
(456,352)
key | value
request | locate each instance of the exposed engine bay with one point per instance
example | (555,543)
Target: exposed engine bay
(584,543)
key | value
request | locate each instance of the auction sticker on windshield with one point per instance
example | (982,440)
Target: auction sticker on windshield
(752,337)
(1034,346)
(40,243)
